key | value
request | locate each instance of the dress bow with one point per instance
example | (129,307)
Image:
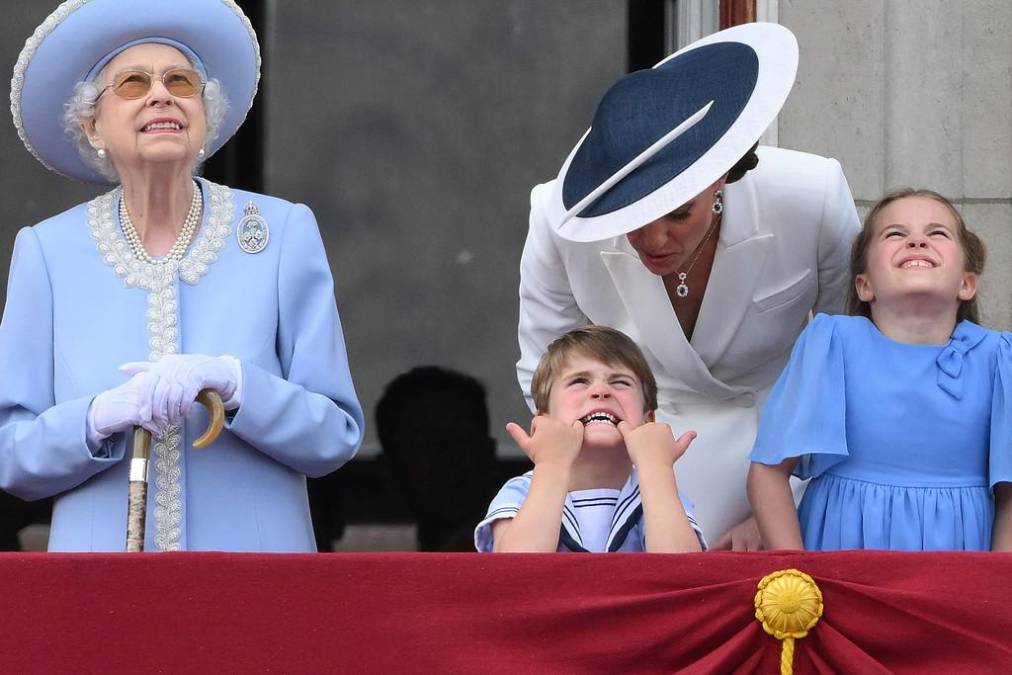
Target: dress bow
(965,337)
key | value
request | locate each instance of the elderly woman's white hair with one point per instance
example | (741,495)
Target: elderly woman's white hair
(80,109)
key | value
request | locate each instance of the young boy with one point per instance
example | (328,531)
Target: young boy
(602,467)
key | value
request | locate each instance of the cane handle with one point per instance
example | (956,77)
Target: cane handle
(216,410)
(211,400)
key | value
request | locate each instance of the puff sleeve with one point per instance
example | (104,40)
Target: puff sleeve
(1000,463)
(506,504)
(43,450)
(805,415)
(310,418)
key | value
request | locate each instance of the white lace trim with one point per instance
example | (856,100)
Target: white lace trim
(31,46)
(115,250)
(59,14)
(163,328)
(216,230)
(168,511)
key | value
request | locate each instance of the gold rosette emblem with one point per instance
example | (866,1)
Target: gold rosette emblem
(788,604)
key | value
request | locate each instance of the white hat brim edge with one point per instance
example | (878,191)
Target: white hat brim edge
(777,50)
(79,170)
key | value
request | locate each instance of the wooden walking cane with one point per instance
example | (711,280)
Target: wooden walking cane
(138,505)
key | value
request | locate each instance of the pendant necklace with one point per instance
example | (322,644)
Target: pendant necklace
(682,289)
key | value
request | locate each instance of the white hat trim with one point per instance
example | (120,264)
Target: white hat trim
(51,23)
(770,92)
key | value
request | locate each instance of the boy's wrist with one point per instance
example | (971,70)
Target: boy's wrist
(650,464)
(658,474)
(554,467)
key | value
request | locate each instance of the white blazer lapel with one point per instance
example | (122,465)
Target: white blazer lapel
(648,306)
(741,253)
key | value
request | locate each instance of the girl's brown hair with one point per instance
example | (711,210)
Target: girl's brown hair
(973,250)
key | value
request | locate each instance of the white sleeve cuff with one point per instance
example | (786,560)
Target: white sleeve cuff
(235,400)
(92,436)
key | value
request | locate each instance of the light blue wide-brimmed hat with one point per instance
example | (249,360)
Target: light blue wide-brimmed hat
(661,136)
(81,36)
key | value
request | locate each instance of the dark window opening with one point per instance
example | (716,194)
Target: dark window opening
(239,163)
(646,33)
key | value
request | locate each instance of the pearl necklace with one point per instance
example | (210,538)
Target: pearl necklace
(182,242)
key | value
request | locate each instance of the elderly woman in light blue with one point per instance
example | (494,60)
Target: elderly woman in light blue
(120,310)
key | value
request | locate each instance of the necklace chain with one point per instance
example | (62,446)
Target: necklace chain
(182,242)
(682,290)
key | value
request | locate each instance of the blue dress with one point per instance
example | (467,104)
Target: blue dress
(903,442)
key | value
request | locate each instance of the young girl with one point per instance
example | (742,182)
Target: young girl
(899,414)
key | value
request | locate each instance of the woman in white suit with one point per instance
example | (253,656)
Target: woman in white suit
(667,223)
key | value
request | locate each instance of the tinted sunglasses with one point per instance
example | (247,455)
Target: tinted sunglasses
(181,82)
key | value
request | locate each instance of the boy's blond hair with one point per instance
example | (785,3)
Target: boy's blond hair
(607,345)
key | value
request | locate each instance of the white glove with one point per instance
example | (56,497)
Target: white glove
(180,377)
(120,408)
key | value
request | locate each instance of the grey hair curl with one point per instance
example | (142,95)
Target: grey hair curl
(80,110)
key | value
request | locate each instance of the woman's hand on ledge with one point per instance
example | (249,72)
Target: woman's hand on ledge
(742,537)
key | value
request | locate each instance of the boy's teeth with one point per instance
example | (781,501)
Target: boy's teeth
(599,417)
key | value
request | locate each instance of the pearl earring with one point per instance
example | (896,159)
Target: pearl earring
(201,153)
(101,153)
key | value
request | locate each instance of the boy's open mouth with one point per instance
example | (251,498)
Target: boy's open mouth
(599,416)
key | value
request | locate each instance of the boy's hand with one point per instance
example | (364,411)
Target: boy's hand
(550,440)
(654,443)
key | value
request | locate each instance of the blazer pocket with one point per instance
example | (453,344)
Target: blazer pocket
(784,295)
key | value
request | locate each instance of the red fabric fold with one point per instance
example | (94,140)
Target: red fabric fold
(467,613)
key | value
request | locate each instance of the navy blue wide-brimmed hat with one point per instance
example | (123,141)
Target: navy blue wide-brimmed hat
(660,136)
(81,36)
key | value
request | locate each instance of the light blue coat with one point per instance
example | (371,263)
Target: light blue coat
(79,305)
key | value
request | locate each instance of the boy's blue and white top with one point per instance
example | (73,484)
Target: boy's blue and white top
(903,442)
(622,530)
(79,305)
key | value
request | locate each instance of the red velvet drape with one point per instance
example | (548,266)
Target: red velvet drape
(469,613)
